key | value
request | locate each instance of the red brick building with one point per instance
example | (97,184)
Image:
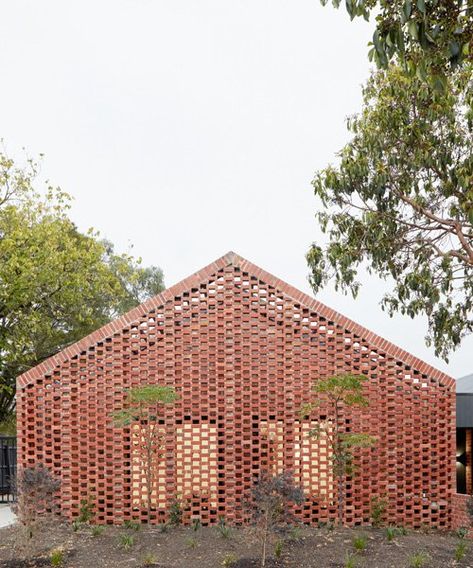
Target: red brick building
(242,349)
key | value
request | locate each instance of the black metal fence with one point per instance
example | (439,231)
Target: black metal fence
(7,468)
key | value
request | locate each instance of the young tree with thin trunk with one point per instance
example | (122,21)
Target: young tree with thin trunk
(142,411)
(336,394)
(269,503)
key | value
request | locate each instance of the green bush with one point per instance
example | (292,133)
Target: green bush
(378,509)
(350,560)
(175,513)
(126,541)
(192,542)
(223,529)
(360,542)
(278,548)
(56,557)
(131,525)
(419,559)
(460,550)
(229,560)
(149,559)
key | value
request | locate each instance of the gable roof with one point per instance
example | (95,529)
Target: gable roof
(231,259)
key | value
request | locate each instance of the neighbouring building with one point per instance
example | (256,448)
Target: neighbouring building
(242,349)
(464,434)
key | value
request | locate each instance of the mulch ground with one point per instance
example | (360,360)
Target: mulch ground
(206,548)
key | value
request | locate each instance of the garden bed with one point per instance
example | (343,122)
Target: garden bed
(115,547)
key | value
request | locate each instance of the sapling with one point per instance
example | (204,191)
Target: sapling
(142,408)
(269,504)
(335,394)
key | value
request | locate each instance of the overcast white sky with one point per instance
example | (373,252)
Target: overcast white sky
(190,128)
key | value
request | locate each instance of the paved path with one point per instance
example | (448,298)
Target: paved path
(6,516)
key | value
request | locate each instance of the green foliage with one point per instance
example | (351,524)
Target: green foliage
(400,202)
(97,530)
(337,392)
(378,509)
(143,405)
(229,560)
(461,550)
(419,559)
(149,559)
(196,524)
(8,426)
(223,529)
(175,513)
(57,557)
(295,533)
(351,560)
(391,533)
(131,525)
(462,532)
(360,542)
(163,527)
(431,38)
(192,542)
(278,548)
(86,511)
(75,525)
(126,541)
(57,284)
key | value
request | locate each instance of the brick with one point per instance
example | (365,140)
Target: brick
(242,349)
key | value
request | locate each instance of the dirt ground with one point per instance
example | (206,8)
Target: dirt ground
(183,547)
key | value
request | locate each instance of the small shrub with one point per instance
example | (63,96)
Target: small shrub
(56,557)
(36,488)
(163,527)
(86,511)
(175,513)
(97,530)
(126,541)
(229,560)
(419,559)
(223,529)
(269,503)
(402,531)
(460,550)
(360,542)
(350,560)
(196,524)
(278,548)
(295,533)
(391,533)
(75,525)
(149,559)
(192,542)
(131,525)
(461,532)
(378,509)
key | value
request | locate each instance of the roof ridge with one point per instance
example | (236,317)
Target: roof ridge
(231,259)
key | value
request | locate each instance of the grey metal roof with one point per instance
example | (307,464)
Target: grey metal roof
(465,384)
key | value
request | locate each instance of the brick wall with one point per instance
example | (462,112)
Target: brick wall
(242,349)
(460,516)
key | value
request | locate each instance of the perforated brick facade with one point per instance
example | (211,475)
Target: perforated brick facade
(242,349)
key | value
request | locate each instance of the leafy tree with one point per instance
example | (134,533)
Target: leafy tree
(400,202)
(269,505)
(56,283)
(142,410)
(430,37)
(336,394)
